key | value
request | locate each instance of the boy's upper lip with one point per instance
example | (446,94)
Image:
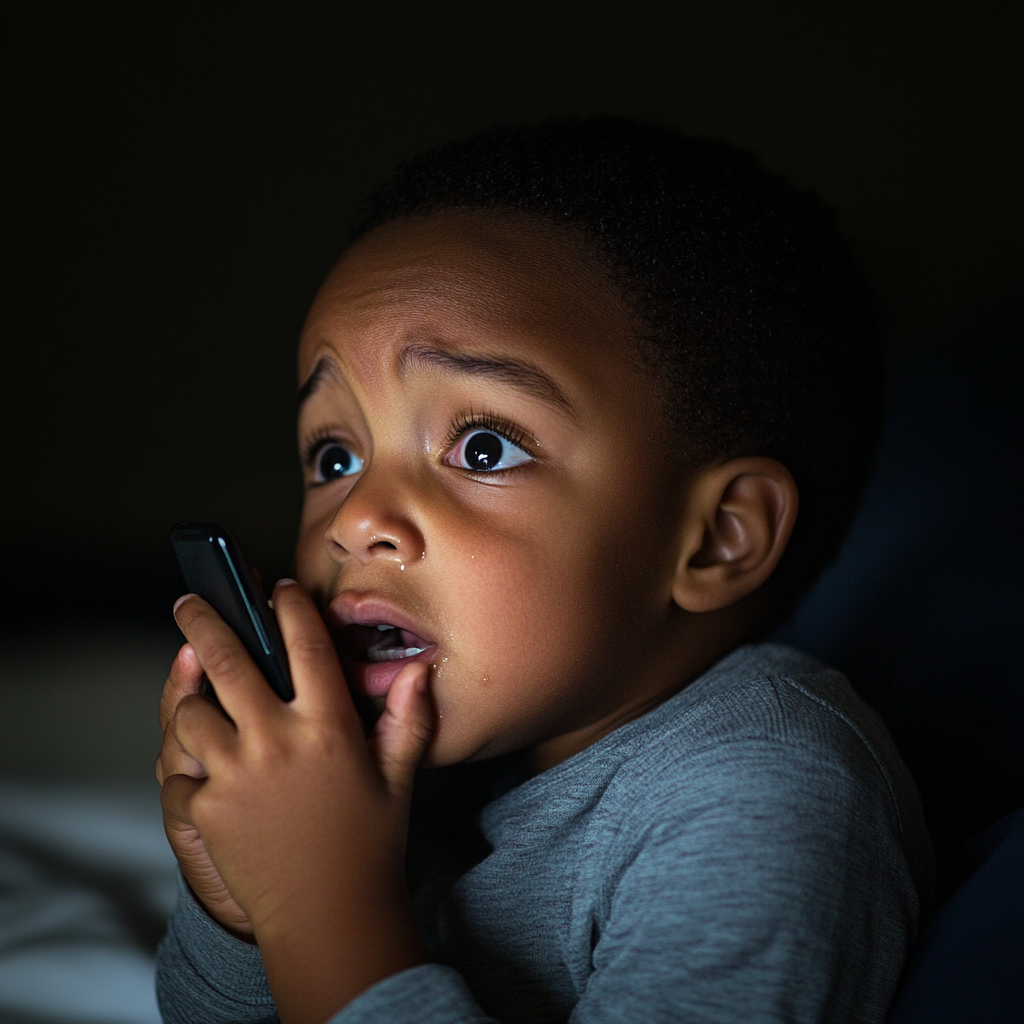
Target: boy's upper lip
(352,608)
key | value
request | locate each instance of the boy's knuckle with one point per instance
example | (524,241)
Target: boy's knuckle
(323,737)
(202,807)
(172,761)
(223,663)
(169,700)
(268,748)
(421,730)
(312,648)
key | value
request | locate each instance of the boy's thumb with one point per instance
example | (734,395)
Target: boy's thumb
(405,729)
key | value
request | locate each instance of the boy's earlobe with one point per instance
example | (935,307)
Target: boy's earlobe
(738,520)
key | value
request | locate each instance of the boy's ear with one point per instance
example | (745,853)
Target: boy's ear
(738,520)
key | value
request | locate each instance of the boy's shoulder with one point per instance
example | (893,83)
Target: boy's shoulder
(767,695)
(768,742)
(764,703)
(774,694)
(768,732)
(760,820)
(761,710)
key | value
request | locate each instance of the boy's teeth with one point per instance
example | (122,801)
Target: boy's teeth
(385,642)
(393,653)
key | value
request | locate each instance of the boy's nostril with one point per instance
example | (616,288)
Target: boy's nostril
(384,544)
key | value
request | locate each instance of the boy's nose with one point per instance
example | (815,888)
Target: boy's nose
(374,522)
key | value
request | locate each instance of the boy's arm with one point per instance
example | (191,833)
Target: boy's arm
(205,974)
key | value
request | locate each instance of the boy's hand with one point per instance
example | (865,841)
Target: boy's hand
(184,680)
(303,819)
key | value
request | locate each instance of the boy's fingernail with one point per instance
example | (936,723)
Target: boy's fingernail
(177,604)
(286,581)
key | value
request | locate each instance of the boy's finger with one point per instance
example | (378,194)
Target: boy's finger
(405,729)
(173,760)
(241,688)
(316,672)
(185,677)
(176,797)
(200,730)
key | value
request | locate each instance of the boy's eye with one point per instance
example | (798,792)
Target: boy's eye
(335,460)
(483,451)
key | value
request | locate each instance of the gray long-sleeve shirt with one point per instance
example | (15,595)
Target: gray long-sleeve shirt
(752,849)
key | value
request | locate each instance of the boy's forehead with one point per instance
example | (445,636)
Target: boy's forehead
(473,278)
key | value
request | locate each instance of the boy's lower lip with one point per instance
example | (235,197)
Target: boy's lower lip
(375,678)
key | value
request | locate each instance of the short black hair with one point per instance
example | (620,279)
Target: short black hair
(751,315)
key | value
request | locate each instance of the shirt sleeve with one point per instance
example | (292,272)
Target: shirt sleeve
(428,994)
(205,974)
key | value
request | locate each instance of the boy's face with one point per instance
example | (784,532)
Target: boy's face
(485,473)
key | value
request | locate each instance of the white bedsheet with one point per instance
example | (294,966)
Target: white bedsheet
(86,883)
(86,876)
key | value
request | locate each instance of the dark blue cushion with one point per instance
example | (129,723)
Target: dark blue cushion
(969,964)
(923,609)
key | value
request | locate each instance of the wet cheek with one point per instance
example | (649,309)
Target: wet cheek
(531,629)
(518,622)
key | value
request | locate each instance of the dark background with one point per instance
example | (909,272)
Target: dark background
(178,178)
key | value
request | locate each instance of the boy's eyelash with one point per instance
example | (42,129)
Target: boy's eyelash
(460,425)
(315,441)
(487,421)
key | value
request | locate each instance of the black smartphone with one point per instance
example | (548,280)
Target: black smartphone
(215,568)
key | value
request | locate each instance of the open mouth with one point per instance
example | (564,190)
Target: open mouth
(381,642)
(372,655)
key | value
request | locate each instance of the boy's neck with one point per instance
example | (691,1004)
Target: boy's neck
(701,641)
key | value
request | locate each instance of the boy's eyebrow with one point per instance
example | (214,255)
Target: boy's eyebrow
(514,372)
(522,375)
(326,369)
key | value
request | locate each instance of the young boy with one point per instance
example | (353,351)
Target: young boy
(559,402)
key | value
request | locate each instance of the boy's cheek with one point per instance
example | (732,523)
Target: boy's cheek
(522,663)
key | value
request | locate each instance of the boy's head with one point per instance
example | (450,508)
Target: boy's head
(562,372)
